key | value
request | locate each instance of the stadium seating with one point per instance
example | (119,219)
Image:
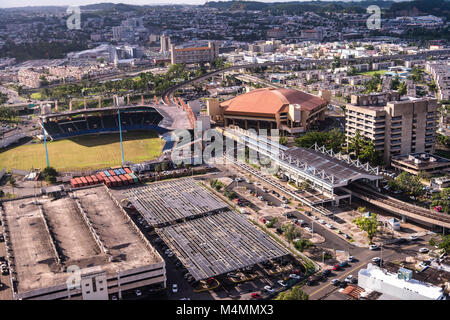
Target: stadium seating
(131,120)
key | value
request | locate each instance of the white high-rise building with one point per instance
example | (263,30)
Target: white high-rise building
(165,43)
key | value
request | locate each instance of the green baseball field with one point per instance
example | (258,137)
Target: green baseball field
(85,152)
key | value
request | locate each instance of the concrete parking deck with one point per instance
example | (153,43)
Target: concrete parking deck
(48,235)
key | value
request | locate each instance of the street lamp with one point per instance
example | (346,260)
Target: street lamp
(381,262)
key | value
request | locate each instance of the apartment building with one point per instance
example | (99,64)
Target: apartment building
(396,126)
(440,70)
(194,54)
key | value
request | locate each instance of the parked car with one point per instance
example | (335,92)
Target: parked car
(423,250)
(343,264)
(282,283)
(351,259)
(269,289)
(321,221)
(349,279)
(255,295)
(326,272)
(308,213)
(174,288)
(294,276)
(308,229)
(138,293)
(373,247)
(413,237)
(376,260)
(329,226)
(114,297)
(335,282)
(336,267)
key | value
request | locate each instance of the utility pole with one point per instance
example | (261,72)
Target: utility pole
(45,144)
(121,141)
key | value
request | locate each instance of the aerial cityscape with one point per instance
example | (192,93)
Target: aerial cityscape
(225,150)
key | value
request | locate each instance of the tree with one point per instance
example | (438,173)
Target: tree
(395,82)
(333,139)
(369,225)
(295,293)
(445,244)
(402,89)
(302,244)
(290,231)
(49,174)
(374,84)
(283,140)
(355,144)
(408,183)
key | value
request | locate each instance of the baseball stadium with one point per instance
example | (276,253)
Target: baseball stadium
(90,139)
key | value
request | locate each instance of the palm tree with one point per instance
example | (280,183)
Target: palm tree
(355,144)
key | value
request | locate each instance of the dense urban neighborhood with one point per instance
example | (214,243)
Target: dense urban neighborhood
(230,150)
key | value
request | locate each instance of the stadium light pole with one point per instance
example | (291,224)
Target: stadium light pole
(45,145)
(120,132)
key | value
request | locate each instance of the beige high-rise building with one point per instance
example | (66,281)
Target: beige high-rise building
(195,54)
(396,126)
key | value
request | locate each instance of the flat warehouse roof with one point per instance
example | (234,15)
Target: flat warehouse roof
(168,201)
(219,243)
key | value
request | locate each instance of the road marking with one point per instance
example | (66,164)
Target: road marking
(342,275)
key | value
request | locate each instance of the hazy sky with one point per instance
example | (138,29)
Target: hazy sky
(24,3)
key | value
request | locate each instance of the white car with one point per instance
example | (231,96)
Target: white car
(349,278)
(175,288)
(113,297)
(334,282)
(376,259)
(269,289)
(185,299)
(283,205)
(308,229)
(321,221)
(282,283)
(413,237)
(351,258)
(423,250)
(138,293)
(329,226)
(373,247)
(294,276)
(315,218)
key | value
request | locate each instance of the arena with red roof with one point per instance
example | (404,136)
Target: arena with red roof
(289,110)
